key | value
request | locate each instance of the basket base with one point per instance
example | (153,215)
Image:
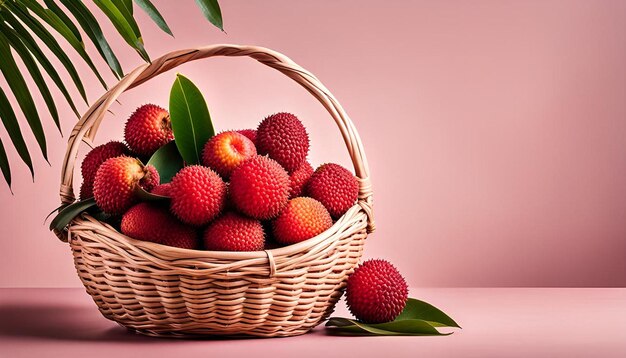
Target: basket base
(214,336)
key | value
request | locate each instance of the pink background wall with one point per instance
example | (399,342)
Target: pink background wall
(495,130)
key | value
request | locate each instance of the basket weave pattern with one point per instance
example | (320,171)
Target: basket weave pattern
(166,291)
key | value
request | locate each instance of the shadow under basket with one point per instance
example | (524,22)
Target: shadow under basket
(159,290)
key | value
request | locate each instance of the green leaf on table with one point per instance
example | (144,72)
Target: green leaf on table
(4,165)
(90,26)
(191,121)
(211,10)
(154,14)
(125,25)
(13,129)
(416,309)
(167,161)
(414,327)
(16,82)
(417,319)
(65,216)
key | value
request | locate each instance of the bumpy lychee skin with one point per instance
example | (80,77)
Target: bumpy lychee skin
(116,181)
(151,179)
(299,178)
(153,223)
(249,133)
(335,187)
(302,219)
(225,151)
(283,137)
(148,129)
(376,292)
(233,232)
(259,188)
(163,189)
(197,195)
(94,159)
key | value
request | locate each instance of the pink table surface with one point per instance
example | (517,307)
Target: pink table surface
(497,322)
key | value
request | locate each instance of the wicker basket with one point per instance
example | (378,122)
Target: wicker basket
(164,291)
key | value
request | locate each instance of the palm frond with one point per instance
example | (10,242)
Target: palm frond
(25,23)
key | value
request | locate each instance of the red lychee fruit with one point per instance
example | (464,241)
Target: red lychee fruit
(225,151)
(249,133)
(94,159)
(163,189)
(233,232)
(148,129)
(151,179)
(376,292)
(335,187)
(198,195)
(117,180)
(259,188)
(299,178)
(302,219)
(149,222)
(283,137)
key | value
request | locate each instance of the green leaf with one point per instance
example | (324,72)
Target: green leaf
(126,8)
(191,121)
(154,14)
(416,309)
(16,82)
(414,327)
(417,319)
(33,69)
(129,5)
(4,165)
(66,20)
(69,212)
(211,10)
(54,47)
(125,25)
(167,161)
(144,195)
(57,24)
(13,129)
(90,26)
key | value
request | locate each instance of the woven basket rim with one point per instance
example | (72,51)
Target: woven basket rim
(302,246)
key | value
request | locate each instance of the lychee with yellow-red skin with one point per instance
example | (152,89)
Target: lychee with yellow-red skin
(376,292)
(225,151)
(302,219)
(197,195)
(117,180)
(149,222)
(94,159)
(234,232)
(148,129)
(283,137)
(335,187)
(259,188)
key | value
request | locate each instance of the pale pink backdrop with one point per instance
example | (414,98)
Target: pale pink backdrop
(495,130)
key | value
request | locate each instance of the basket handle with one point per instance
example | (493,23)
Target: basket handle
(86,128)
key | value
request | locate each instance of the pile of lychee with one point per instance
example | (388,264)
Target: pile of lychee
(252,189)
